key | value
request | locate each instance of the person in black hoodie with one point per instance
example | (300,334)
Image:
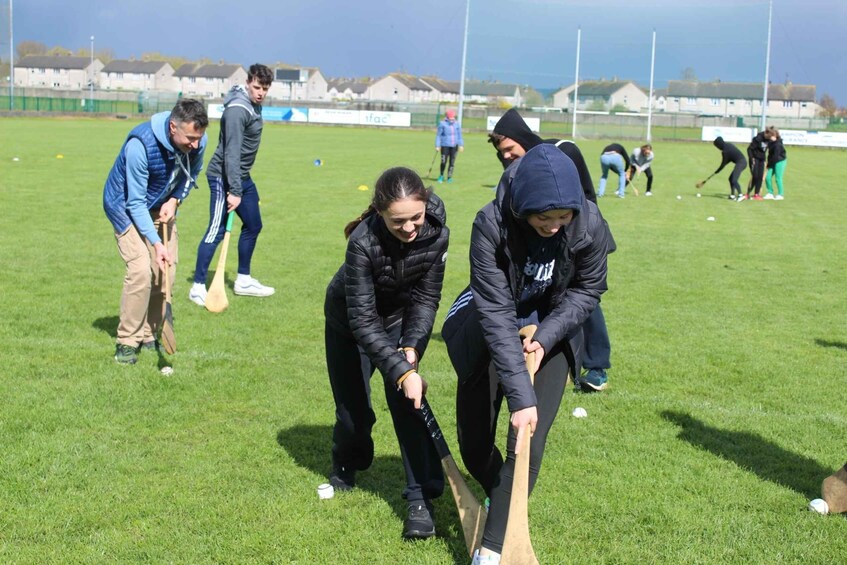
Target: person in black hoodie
(380,307)
(731,154)
(512,138)
(756,159)
(538,256)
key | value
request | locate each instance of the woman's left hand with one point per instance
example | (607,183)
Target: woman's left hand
(530,346)
(411,357)
(414,388)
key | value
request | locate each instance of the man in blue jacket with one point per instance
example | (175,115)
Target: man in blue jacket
(153,173)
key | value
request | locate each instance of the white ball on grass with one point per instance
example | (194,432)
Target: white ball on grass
(579,412)
(678,197)
(167,371)
(819,505)
(325,491)
(698,195)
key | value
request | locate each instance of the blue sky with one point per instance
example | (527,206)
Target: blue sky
(526,41)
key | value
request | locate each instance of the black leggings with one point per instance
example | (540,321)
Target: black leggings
(757,169)
(478,401)
(350,370)
(448,154)
(733,178)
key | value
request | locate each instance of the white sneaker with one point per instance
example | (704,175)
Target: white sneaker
(493,559)
(769,196)
(197,294)
(779,197)
(648,193)
(245,285)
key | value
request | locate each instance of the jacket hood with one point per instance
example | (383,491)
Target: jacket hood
(237,92)
(159,123)
(719,143)
(546,179)
(514,127)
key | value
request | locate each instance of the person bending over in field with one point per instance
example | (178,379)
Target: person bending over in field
(232,188)
(512,138)
(538,256)
(153,174)
(380,307)
(731,154)
(613,158)
(640,161)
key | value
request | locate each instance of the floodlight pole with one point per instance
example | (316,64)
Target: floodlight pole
(11,61)
(464,61)
(91,84)
(767,69)
(650,99)
(576,82)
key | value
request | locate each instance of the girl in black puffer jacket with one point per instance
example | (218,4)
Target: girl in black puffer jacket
(380,307)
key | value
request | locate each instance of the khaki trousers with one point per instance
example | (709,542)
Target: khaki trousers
(143,296)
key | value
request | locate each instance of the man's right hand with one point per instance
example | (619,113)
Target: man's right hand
(163,258)
(232,202)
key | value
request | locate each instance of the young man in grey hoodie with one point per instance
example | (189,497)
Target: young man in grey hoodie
(231,187)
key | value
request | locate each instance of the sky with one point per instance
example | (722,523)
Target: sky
(532,42)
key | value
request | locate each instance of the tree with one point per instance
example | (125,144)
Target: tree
(688,74)
(827,103)
(59,52)
(175,62)
(597,105)
(26,48)
(531,97)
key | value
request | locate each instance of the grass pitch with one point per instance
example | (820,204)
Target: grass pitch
(725,409)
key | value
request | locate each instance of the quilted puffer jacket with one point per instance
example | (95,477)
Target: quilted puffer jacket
(384,281)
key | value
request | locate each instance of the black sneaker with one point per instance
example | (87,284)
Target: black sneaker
(152,345)
(125,354)
(419,524)
(342,478)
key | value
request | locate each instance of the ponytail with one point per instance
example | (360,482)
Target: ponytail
(348,229)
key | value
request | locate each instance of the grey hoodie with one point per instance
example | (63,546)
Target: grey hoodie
(238,143)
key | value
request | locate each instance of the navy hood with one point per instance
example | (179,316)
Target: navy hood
(719,143)
(546,179)
(514,127)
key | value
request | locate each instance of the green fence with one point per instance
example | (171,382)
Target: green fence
(103,102)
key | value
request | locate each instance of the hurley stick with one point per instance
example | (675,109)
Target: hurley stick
(216,300)
(517,546)
(167,337)
(429,172)
(702,182)
(834,491)
(472,514)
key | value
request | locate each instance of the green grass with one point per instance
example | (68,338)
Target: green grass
(724,413)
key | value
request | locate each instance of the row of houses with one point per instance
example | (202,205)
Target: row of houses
(300,84)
